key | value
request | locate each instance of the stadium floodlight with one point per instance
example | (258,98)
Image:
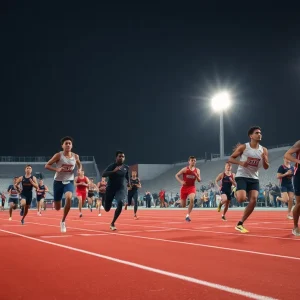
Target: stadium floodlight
(221,102)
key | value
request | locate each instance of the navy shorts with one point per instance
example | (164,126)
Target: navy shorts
(40,197)
(13,200)
(287,189)
(27,197)
(297,183)
(228,194)
(246,184)
(62,187)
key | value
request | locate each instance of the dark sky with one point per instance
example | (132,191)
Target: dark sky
(138,77)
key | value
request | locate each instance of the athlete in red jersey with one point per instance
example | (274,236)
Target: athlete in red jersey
(81,183)
(188,190)
(296,211)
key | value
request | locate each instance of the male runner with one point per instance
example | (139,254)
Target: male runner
(40,196)
(81,184)
(252,157)
(296,211)
(13,198)
(28,181)
(64,176)
(188,190)
(102,190)
(285,175)
(92,189)
(118,181)
(227,178)
(133,192)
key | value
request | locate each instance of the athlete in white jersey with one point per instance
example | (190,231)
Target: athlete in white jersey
(64,177)
(252,157)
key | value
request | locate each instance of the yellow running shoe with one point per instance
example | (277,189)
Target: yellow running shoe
(241,229)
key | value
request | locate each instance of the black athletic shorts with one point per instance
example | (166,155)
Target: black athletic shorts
(227,193)
(27,197)
(287,188)
(297,183)
(91,194)
(246,184)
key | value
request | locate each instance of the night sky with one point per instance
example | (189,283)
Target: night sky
(139,77)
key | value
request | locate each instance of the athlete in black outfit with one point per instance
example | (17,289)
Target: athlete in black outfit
(135,184)
(118,181)
(227,179)
(28,181)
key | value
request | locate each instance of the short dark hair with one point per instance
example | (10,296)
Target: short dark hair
(66,138)
(28,166)
(252,129)
(192,157)
(119,152)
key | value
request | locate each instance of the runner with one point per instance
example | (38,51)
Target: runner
(227,179)
(188,190)
(102,189)
(133,192)
(285,175)
(252,157)
(289,156)
(40,196)
(81,184)
(118,181)
(64,176)
(13,198)
(28,181)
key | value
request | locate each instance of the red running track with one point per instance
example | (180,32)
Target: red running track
(158,256)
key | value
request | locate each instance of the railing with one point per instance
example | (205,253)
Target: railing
(28,159)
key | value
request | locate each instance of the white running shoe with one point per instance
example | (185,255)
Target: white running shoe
(10,218)
(99,215)
(63,227)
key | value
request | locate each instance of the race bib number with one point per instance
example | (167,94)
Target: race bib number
(67,168)
(253,161)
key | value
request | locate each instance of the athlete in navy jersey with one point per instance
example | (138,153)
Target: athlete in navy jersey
(40,196)
(135,184)
(13,198)
(285,175)
(28,181)
(228,179)
(289,156)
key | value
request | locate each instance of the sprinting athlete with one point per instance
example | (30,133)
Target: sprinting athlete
(135,184)
(81,184)
(28,181)
(118,181)
(188,190)
(102,190)
(64,176)
(285,175)
(13,198)
(40,196)
(227,179)
(92,189)
(289,156)
(253,156)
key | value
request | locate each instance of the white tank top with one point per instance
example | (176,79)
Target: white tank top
(254,159)
(68,165)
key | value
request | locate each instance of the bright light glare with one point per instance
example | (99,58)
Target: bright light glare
(221,101)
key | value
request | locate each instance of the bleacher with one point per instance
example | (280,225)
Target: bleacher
(209,171)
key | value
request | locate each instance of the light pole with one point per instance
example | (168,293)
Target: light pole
(220,102)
